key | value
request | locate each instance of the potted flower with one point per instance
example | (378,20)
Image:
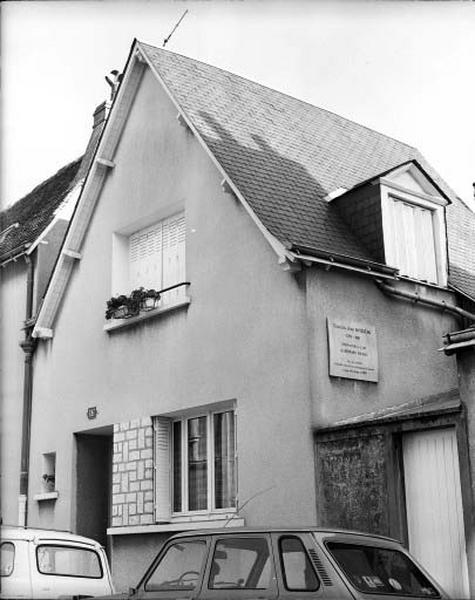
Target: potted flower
(48,482)
(149,299)
(117,307)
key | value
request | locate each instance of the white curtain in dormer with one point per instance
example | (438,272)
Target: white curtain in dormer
(414,241)
(157,255)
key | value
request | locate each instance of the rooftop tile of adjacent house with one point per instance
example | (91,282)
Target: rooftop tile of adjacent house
(35,211)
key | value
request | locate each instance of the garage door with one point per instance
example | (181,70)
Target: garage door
(434,507)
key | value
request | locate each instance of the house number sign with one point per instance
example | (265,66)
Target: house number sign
(352,350)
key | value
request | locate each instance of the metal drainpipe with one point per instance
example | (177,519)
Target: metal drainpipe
(28,346)
(392,291)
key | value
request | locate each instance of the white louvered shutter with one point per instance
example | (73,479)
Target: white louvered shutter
(413,239)
(145,258)
(162,430)
(174,255)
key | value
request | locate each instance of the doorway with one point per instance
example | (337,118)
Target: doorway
(93,479)
(434,507)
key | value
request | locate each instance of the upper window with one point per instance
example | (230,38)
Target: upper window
(414,239)
(201,450)
(152,258)
(413,221)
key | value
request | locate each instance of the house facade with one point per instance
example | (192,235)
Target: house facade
(289,371)
(32,231)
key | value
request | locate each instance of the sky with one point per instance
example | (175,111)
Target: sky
(402,68)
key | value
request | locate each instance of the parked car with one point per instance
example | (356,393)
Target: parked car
(290,564)
(42,563)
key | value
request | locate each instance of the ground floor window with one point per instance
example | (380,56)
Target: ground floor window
(195,463)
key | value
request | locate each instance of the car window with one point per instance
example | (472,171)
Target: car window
(7,558)
(297,569)
(241,562)
(179,568)
(68,561)
(375,570)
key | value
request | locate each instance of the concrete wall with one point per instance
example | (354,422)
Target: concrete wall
(12,315)
(408,338)
(242,337)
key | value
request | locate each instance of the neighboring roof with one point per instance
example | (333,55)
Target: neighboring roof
(443,402)
(35,211)
(461,237)
(284,155)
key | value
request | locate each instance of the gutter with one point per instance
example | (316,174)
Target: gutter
(459,340)
(28,345)
(414,297)
(342,261)
(14,254)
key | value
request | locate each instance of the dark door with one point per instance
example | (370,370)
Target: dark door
(93,493)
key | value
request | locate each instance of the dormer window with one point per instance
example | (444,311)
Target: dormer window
(414,226)
(399,218)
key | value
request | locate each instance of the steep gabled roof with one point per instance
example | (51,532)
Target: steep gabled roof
(461,236)
(284,155)
(35,211)
(279,155)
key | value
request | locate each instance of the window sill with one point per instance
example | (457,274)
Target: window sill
(122,323)
(211,523)
(46,496)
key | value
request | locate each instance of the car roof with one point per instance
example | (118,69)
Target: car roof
(17,532)
(308,529)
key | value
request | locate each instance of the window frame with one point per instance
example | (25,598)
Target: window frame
(70,547)
(290,536)
(210,454)
(121,281)
(9,543)
(390,192)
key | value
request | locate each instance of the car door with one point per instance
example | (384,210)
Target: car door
(177,572)
(240,567)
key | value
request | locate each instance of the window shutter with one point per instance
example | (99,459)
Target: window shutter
(426,244)
(414,241)
(145,258)
(174,254)
(162,429)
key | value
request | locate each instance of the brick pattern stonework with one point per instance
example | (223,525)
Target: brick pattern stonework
(132,473)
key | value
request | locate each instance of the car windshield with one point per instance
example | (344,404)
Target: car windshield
(376,570)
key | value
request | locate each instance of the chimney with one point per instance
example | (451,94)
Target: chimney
(100,114)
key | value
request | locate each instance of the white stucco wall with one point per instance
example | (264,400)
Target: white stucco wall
(12,315)
(242,337)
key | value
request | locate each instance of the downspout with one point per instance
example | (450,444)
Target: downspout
(28,346)
(441,304)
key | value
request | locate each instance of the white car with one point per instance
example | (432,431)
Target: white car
(42,563)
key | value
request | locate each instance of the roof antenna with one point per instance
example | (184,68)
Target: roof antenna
(165,41)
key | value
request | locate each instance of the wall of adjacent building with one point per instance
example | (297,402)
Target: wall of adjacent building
(242,338)
(408,338)
(12,315)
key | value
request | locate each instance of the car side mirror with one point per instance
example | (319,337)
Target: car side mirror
(132,591)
